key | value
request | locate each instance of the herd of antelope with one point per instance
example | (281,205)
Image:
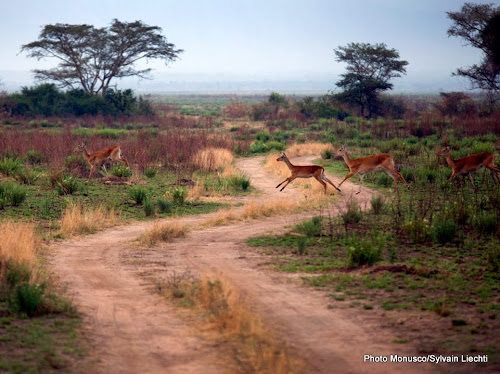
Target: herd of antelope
(359,166)
(363,165)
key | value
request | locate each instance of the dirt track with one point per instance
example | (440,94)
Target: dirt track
(134,330)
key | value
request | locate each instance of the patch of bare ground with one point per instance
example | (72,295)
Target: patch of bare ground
(113,283)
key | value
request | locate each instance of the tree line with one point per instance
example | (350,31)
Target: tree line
(91,58)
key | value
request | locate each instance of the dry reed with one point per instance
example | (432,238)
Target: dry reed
(78,220)
(163,232)
(308,149)
(18,242)
(232,315)
(213,159)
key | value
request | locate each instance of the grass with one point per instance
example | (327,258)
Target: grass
(78,220)
(236,326)
(163,232)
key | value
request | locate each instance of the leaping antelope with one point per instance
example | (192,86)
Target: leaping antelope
(364,165)
(308,171)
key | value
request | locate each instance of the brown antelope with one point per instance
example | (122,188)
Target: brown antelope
(309,171)
(113,153)
(466,165)
(364,165)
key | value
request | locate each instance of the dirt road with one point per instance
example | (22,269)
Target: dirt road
(134,330)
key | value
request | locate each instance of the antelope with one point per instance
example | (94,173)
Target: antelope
(309,171)
(364,165)
(466,165)
(113,153)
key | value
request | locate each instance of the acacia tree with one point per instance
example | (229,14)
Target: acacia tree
(479,26)
(369,70)
(90,58)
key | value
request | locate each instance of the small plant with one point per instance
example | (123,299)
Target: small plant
(418,230)
(27,176)
(121,171)
(10,166)
(378,204)
(68,185)
(163,206)
(301,245)
(178,195)
(239,182)
(12,194)
(138,194)
(149,207)
(35,157)
(485,222)
(444,230)
(311,228)
(493,258)
(365,251)
(352,215)
(150,172)
(27,298)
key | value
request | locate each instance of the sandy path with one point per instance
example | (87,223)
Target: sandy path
(135,330)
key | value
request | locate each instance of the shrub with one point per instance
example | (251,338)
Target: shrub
(311,228)
(178,195)
(485,222)
(12,193)
(121,171)
(27,298)
(163,206)
(238,182)
(27,176)
(10,166)
(138,194)
(35,157)
(493,258)
(418,230)
(377,203)
(68,185)
(352,215)
(364,251)
(150,172)
(444,230)
(149,207)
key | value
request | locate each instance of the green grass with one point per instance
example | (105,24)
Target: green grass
(40,344)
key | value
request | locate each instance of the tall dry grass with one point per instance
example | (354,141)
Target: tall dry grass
(79,220)
(308,149)
(18,243)
(163,232)
(213,159)
(232,316)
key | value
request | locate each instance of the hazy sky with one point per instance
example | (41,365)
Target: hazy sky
(256,39)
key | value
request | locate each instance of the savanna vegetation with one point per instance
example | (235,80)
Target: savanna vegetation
(431,250)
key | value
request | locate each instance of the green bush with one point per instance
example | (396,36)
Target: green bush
(121,171)
(27,298)
(377,203)
(150,172)
(444,230)
(365,251)
(163,206)
(352,215)
(12,193)
(68,185)
(35,157)
(149,207)
(10,166)
(239,183)
(493,258)
(310,228)
(138,194)
(485,222)
(179,195)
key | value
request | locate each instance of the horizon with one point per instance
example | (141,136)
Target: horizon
(253,45)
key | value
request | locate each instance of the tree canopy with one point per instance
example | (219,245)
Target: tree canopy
(369,70)
(479,25)
(90,58)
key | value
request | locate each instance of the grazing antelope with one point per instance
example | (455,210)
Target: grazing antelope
(364,165)
(309,171)
(466,165)
(113,153)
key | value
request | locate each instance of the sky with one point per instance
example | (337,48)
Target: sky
(255,41)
